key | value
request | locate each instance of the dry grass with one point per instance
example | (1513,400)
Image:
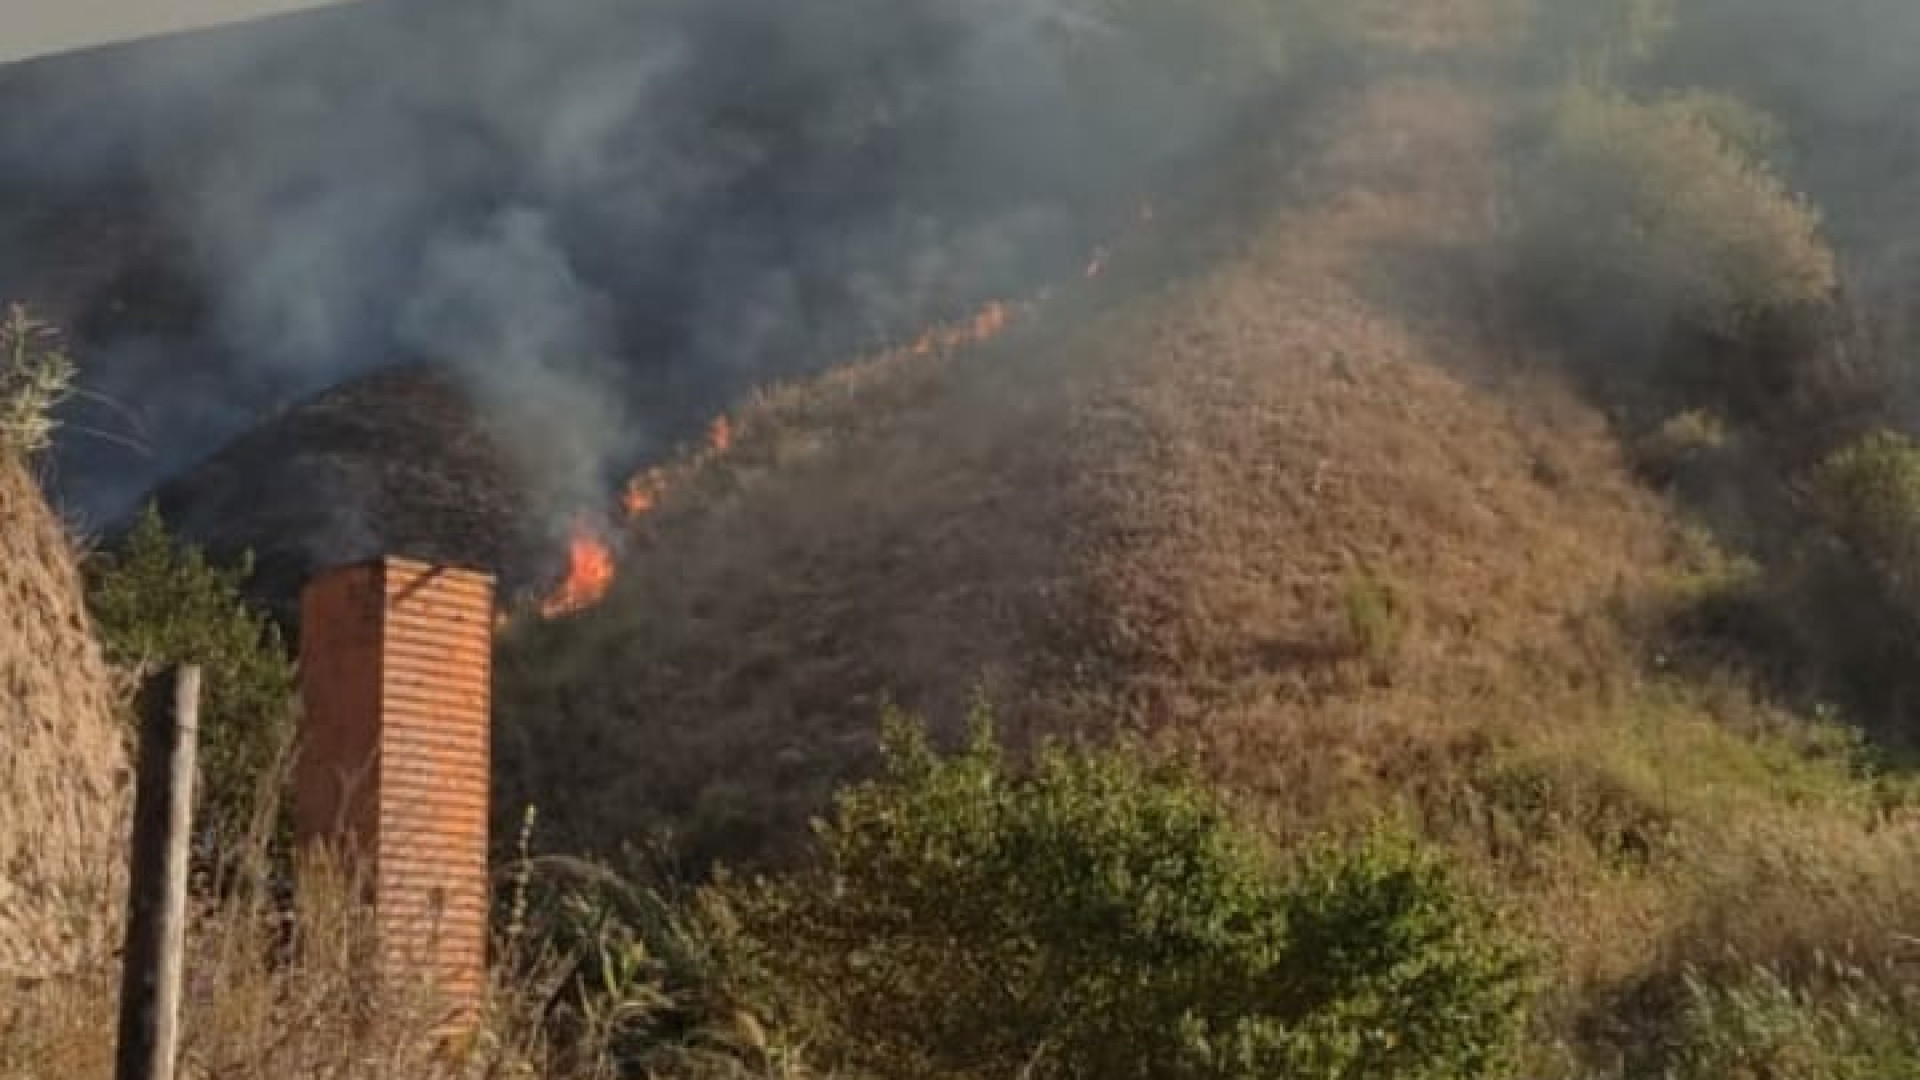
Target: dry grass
(1145,508)
(265,997)
(288,982)
(62,772)
(1130,509)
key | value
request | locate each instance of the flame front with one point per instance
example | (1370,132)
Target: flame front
(589,573)
(590,563)
(986,324)
(644,491)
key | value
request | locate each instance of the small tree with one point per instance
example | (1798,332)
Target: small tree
(157,602)
(1639,219)
(1094,918)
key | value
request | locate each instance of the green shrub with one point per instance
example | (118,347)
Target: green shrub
(35,376)
(1097,918)
(1637,219)
(1868,493)
(1375,621)
(156,603)
(631,978)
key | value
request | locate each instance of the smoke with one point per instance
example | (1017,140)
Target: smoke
(569,203)
(508,303)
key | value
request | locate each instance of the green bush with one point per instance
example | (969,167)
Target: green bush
(631,978)
(1689,451)
(1868,493)
(1374,622)
(1096,918)
(156,603)
(1636,220)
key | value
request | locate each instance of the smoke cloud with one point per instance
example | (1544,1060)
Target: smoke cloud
(569,202)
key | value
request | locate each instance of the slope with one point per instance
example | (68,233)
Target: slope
(1280,490)
(1264,512)
(401,461)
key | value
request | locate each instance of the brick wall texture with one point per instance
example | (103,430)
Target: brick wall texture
(396,680)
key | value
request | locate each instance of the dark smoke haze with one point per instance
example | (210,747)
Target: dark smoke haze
(575,204)
(612,216)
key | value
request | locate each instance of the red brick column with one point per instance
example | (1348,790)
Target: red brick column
(396,679)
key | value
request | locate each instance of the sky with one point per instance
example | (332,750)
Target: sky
(31,28)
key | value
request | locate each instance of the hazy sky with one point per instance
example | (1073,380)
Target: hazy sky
(35,27)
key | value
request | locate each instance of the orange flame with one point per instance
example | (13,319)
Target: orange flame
(986,324)
(990,322)
(589,573)
(644,491)
(590,570)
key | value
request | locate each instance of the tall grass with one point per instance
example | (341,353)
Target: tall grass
(283,979)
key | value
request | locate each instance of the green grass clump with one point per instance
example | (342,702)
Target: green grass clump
(35,376)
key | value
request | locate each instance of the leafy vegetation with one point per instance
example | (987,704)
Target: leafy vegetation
(158,602)
(1869,494)
(1638,220)
(1375,621)
(1095,918)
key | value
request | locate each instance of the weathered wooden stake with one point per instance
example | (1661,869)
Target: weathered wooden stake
(150,976)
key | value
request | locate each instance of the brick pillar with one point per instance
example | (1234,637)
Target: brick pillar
(396,679)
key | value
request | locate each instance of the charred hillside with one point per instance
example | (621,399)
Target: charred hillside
(401,462)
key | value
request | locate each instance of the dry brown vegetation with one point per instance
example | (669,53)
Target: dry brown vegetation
(63,762)
(1145,515)
(289,991)
(1152,508)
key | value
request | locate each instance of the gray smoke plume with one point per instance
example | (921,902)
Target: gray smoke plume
(570,202)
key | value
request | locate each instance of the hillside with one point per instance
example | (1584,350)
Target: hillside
(1468,452)
(401,462)
(1314,516)
(1125,513)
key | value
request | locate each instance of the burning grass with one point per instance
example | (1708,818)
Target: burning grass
(591,560)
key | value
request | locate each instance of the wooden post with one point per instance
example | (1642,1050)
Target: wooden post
(150,975)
